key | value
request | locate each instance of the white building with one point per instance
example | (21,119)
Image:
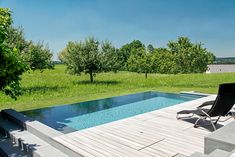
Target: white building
(221,68)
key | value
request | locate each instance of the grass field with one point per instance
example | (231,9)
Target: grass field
(55,87)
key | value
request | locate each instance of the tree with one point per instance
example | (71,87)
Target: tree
(16,39)
(36,55)
(211,58)
(189,57)
(140,62)
(165,61)
(11,65)
(150,48)
(90,57)
(109,57)
(83,56)
(126,50)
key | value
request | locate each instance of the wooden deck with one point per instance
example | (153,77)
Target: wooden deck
(156,133)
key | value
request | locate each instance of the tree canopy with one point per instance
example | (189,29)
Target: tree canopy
(126,50)
(16,39)
(165,61)
(11,64)
(36,55)
(141,62)
(150,48)
(189,57)
(109,57)
(180,56)
(89,57)
(18,55)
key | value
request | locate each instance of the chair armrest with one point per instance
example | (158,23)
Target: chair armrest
(207,103)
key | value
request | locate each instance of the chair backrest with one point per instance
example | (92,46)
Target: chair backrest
(224,100)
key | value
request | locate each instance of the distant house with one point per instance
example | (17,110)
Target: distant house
(221,68)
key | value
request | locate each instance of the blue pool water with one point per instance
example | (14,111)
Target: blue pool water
(83,115)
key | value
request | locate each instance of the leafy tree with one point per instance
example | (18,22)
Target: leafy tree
(150,48)
(211,58)
(82,57)
(90,57)
(11,64)
(165,62)
(16,39)
(141,62)
(190,57)
(109,57)
(39,57)
(126,50)
(36,55)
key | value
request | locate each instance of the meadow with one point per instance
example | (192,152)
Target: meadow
(56,87)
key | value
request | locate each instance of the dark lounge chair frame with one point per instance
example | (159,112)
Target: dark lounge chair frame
(220,107)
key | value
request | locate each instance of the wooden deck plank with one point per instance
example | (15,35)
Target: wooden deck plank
(73,147)
(122,140)
(115,145)
(157,152)
(135,134)
(98,146)
(85,146)
(168,148)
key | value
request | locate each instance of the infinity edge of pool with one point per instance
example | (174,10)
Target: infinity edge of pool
(78,116)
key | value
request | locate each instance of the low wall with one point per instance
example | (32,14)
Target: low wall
(220,68)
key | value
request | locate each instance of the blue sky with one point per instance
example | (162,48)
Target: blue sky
(56,22)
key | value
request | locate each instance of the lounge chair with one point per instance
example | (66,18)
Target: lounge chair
(221,106)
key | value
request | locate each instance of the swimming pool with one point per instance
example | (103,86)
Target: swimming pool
(69,118)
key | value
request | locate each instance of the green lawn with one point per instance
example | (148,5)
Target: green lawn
(55,87)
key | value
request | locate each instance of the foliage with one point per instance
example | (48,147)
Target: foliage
(11,64)
(165,61)
(38,57)
(141,62)
(16,39)
(227,60)
(6,20)
(211,58)
(57,88)
(150,48)
(82,57)
(183,56)
(87,56)
(126,50)
(109,57)
(180,56)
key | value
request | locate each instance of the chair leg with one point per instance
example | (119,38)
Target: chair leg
(212,123)
(195,125)
(217,120)
(204,118)
(233,115)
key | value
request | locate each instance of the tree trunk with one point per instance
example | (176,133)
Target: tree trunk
(91,76)
(146,75)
